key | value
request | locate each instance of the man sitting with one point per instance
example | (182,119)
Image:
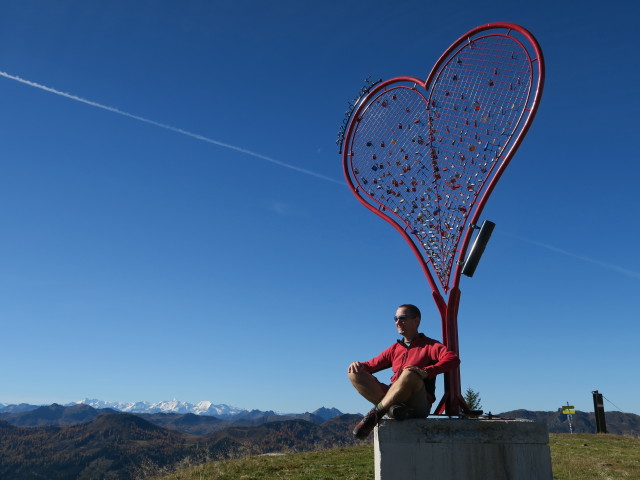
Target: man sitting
(415,361)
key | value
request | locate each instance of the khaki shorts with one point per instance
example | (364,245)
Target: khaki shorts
(419,403)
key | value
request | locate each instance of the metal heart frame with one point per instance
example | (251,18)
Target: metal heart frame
(426,155)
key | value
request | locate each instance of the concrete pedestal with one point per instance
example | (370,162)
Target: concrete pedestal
(443,448)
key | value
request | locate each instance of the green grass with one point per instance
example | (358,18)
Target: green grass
(586,457)
(352,463)
(574,457)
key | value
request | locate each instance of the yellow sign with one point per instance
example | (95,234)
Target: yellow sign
(568,412)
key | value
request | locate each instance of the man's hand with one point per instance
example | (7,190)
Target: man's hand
(412,368)
(355,367)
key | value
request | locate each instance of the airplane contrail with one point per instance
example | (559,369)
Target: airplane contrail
(168,127)
(607,265)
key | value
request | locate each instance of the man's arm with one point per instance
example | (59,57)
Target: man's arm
(374,365)
(446,360)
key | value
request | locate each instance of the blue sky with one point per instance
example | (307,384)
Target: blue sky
(198,240)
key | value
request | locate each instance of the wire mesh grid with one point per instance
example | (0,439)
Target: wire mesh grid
(423,158)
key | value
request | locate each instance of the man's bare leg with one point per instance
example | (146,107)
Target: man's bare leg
(367,386)
(401,390)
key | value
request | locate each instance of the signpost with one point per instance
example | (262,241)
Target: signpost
(598,407)
(569,410)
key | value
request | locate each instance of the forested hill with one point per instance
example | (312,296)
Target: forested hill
(125,446)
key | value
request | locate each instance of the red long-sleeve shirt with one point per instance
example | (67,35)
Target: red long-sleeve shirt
(424,352)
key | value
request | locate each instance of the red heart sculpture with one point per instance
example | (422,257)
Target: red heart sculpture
(421,153)
(425,156)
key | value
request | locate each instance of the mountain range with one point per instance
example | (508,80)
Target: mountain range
(167,406)
(77,413)
(81,442)
(176,406)
(180,416)
(618,423)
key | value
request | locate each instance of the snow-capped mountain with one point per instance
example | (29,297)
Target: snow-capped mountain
(168,406)
(174,406)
